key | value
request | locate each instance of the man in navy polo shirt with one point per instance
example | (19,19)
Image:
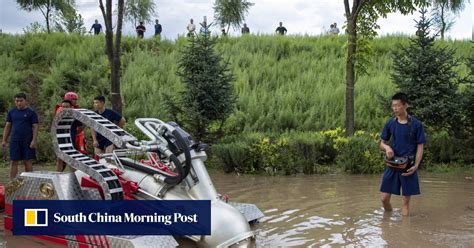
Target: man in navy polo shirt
(101,144)
(97,27)
(158,28)
(22,123)
(402,135)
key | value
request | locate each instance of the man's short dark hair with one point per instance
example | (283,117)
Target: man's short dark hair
(400,96)
(100,98)
(21,95)
(67,101)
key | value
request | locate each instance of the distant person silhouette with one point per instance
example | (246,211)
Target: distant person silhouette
(158,28)
(245,29)
(191,27)
(140,30)
(97,27)
(334,29)
(280,29)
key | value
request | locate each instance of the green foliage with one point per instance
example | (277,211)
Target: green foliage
(208,97)
(34,28)
(301,152)
(235,156)
(442,14)
(467,97)
(446,148)
(50,9)
(427,73)
(360,154)
(44,150)
(268,154)
(133,130)
(291,87)
(281,83)
(139,11)
(231,12)
(70,21)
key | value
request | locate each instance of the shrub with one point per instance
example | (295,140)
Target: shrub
(44,149)
(360,155)
(235,157)
(445,148)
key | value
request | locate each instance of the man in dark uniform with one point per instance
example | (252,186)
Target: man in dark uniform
(245,29)
(158,28)
(97,27)
(141,30)
(402,136)
(22,123)
(102,144)
(280,29)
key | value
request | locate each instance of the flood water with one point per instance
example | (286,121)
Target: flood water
(341,210)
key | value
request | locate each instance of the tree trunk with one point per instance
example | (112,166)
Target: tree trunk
(350,77)
(115,78)
(48,10)
(113,52)
(443,23)
(107,14)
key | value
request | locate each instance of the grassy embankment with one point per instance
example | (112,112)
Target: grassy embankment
(290,93)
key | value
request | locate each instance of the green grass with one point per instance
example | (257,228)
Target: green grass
(282,83)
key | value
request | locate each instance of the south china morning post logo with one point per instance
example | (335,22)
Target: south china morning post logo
(36,217)
(89,217)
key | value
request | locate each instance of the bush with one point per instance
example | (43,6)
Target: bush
(44,148)
(288,153)
(235,157)
(360,155)
(309,151)
(445,148)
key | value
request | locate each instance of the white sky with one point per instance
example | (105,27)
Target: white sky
(298,16)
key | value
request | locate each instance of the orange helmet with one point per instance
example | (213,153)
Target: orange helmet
(71,96)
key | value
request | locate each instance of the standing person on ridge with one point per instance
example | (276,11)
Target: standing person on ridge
(97,27)
(245,29)
(280,29)
(191,27)
(141,30)
(158,29)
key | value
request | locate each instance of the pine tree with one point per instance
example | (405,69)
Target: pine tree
(468,99)
(426,72)
(208,98)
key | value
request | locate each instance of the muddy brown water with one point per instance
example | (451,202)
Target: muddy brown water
(340,210)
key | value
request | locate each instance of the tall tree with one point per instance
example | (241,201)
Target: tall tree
(208,98)
(363,15)
(468,101)
(231,12)
(442,13)
(114,50)
(139,10)
(428,74)
(48,8)
(71,21)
